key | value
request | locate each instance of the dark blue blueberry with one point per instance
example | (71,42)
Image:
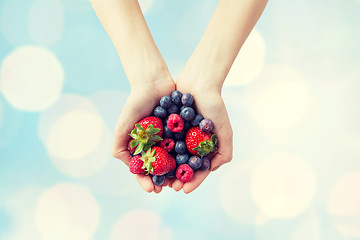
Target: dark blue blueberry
(181,158)
(167,133)
(195,162)
(182,107)
(176,97)
(180,147)
(173,109)
(171,174)
(187,99)
(206,125)
(165,102)
(205,163)
(187,125)
(160,112)
(180,135)
(188,114)
(198,118)
(158,180)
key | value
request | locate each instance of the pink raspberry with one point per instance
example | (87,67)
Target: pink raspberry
(167,144)
(135,165)
(175,123)
(184,173)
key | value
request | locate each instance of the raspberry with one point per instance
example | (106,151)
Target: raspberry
(184,173)
(175,123)
(167,144)
(136,164)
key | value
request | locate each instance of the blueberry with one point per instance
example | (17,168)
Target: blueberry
(165,102)
(187,99)
(182,107)
(167,133)
(171,174)
(187,125)
(195,162)
(158,180)
(180,147)
(188,114)
(176,97)
(180,135)
(198,118)
(173,109)
(205,163)
(206,125)
(181,158)
(160,112)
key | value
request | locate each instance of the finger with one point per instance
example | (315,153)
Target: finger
(166,182)
(219,160)
(157,189)
(171,181)
(145,182)
(197,179)
(177,185)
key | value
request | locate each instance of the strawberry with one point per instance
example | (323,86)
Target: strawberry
(200,143)
(146,133)
(157,161)
(136,165)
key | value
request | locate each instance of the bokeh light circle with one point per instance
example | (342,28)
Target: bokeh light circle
(343,204)
(283,101)
(150,223)
(235,193)
(75,136)
(67,211)
(31,78)
(283,186)
(344,198)
(249,61)
(46,21)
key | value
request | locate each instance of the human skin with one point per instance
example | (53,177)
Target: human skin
(203,75)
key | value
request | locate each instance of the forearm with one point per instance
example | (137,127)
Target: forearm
(228,29)
(127,28)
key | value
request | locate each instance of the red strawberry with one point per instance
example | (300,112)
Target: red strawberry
(200,143)
(136,165)
(158,161)
(146,133)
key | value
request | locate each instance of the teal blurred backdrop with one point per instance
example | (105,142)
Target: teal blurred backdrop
(292,96)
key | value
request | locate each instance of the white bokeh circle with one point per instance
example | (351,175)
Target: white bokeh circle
(67,211)
(134,225)
(145,5)
(283,186)
(283,101)
(75,136)
(344,197)
(343,204)
(46,21)
(309,230)
(31,78)
(249,61)
(235,193)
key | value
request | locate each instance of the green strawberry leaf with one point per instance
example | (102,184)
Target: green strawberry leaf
(139,148)
(139,127)
(134,143)
(156,138)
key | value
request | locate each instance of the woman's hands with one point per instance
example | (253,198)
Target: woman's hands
(210,104)
(144,96)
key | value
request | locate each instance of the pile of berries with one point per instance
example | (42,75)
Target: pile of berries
(173,142)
